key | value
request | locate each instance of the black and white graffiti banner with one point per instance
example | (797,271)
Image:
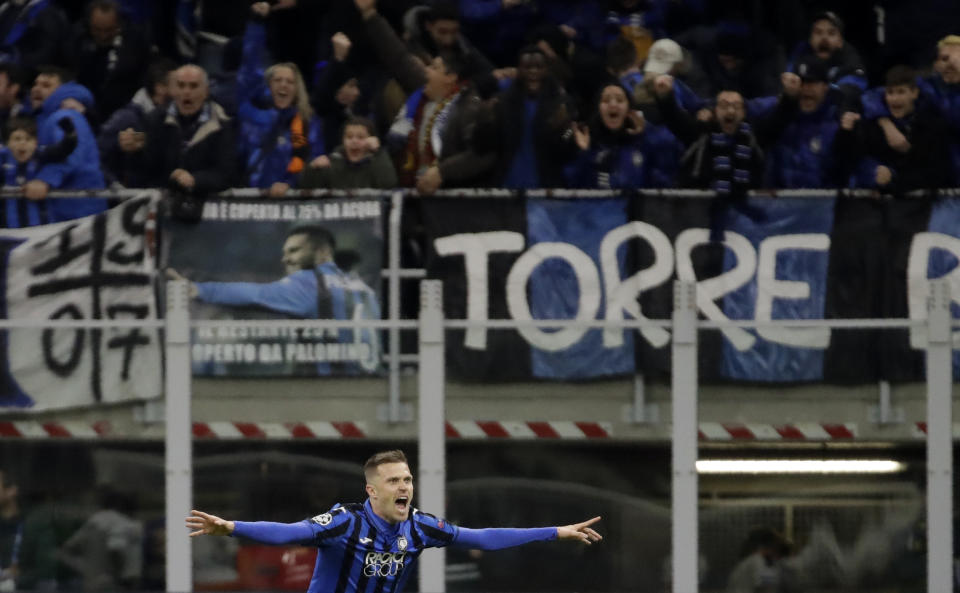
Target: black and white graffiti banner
(95,268)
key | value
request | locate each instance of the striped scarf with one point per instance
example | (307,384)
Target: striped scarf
(419,155)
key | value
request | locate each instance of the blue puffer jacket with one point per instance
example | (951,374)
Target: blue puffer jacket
(80,169)
(263,138)
(651,159)
(945,98)
(803,155)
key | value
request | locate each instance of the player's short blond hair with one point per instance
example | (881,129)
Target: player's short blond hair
(948,40)
(382,458)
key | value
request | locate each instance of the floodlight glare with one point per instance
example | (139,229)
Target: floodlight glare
(799,466)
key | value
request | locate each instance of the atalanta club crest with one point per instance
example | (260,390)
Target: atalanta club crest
(402,543)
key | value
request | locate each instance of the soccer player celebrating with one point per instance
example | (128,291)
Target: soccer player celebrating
(374,545)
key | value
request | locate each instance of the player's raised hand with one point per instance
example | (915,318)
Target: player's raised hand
(581,532)
(203,524)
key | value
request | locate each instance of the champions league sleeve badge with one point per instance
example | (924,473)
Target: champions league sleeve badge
(323,519)
(402,543)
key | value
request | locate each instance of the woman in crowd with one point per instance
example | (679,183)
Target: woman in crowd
(279,136)
(618,149)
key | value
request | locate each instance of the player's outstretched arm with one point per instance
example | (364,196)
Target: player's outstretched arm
(581,532)
(203,524)
(497,538)
(265,532)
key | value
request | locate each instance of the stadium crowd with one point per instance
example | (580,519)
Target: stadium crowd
(726,96)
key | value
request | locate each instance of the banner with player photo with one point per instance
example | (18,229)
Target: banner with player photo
(95,268)
(616,257)
(318,259)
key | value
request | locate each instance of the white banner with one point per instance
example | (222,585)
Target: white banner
(94,268)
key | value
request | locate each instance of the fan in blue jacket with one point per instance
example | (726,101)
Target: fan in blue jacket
(620,150)
(68,147)
(278,133)
(803,156)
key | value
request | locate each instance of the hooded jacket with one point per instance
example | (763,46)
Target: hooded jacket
(78,168)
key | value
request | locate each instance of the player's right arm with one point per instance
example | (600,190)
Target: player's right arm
(294,295)
(317,530)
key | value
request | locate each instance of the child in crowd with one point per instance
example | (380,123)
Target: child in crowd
(922,161)
(357,163)
(19,165)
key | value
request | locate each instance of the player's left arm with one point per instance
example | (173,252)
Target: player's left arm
(497,538)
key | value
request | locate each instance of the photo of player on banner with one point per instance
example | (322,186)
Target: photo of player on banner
(295,260)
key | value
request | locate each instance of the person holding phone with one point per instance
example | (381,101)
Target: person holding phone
(122,138)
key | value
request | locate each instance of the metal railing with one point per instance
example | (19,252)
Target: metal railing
(431,326)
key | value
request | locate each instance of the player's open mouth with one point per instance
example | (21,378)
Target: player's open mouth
(402,503)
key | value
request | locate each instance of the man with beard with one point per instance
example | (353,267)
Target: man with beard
(431,134)
(803,155)
(726,152)
(315,288)
(845,71)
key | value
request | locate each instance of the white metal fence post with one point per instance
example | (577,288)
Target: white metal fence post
(179,438)
(393,256)
(684,458)
(939,440)
(431,430)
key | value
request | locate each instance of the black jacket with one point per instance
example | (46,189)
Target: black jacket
(209,154)
(926,165)
(114,73)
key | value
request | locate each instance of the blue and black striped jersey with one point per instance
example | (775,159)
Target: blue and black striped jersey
(362,553)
